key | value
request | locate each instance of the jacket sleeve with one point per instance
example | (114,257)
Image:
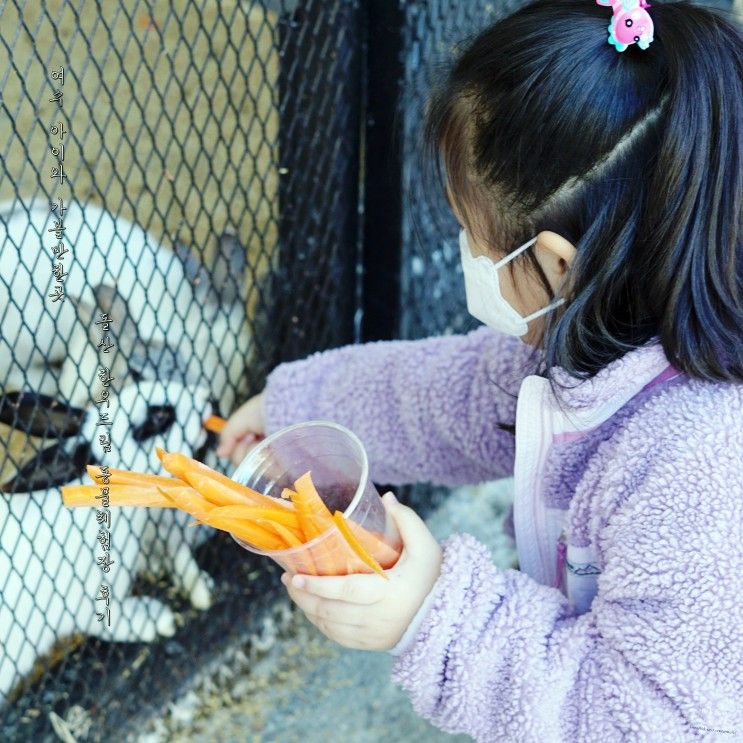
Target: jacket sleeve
(425,410)
(659,655)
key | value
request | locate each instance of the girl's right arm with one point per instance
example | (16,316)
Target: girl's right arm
(425,410)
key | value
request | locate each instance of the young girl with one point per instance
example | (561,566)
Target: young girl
(597,174)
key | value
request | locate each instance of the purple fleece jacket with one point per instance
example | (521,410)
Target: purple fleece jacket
(656,491)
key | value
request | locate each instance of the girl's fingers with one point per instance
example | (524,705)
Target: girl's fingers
(328,612)
(229,436)
(236,456)
(240,452)
(358,588)
(235,426)
(228,444)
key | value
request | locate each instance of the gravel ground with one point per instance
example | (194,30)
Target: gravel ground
(291,683)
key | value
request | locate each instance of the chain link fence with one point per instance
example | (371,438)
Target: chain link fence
(178,214)
(240,186)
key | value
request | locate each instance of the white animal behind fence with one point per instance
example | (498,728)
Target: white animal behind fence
(182,321)
(174,325)
(49,570)
(171,317)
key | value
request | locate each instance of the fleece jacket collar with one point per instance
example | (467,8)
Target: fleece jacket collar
(589,402)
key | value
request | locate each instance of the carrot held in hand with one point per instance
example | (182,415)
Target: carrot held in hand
(280,515)
(222,493)
(264,523)
(214,486)
(314,519)
(342,524)
(290,537)
(189,500)
(382,552)
(300,562)
(255,534)
(314,516)
(214,423)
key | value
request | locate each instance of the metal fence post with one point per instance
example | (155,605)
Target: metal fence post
(319,139)
(382,236)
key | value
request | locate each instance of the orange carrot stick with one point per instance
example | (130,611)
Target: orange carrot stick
(118,495)
(342,524)
(189,500)
(375,548)
(382,552)
(301,562)
(309,504)
(222,494)
(281,515)
(314,519)
(123,477)
(231,492)
(214,423)
(304,561)
(289,536)
(255,534)
(217,492)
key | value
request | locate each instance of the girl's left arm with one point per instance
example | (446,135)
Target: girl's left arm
(658,657)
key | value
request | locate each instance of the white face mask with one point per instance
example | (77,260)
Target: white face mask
(484,299)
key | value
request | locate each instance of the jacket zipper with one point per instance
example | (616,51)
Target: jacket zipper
(545,437)
(531,422)
(561,560)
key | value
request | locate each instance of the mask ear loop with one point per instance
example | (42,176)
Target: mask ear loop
(545,309)
(510,257)
(518,251)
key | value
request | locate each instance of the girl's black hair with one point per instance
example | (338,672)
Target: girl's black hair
(635,157)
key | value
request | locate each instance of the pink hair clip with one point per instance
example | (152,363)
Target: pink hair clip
(630,23)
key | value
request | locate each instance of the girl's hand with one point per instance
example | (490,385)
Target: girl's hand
(363,610)
(243,430)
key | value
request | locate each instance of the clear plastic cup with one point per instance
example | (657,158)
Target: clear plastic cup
(339,468)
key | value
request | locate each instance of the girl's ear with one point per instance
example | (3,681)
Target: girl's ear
(557,244)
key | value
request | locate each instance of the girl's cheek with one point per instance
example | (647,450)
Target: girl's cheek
(508,290)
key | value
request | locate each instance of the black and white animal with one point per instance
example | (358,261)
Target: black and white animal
(49,570)
(173,317)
